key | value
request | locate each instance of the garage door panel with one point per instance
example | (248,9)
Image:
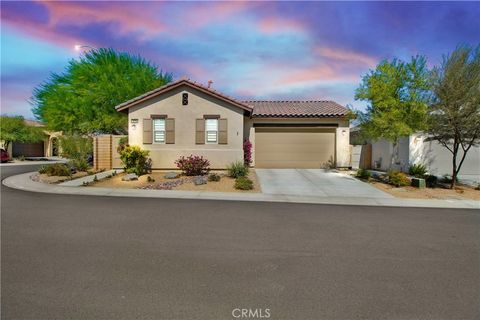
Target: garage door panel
(281,148)
(28,149)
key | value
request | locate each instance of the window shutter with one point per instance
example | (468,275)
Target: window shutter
(200,131)
(222,131)
(147,131)
(170,131)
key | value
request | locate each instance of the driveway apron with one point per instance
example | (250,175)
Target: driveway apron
(315,182)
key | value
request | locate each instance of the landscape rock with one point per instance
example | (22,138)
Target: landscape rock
(171,175)
(199,180)
(130,177)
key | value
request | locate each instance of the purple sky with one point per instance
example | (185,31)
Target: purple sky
(251,50)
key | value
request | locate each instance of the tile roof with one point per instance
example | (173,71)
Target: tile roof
(257,108)
(175,84)
(296,109)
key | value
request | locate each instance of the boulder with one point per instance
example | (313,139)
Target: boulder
(199,180)
(130,177)
(171,175)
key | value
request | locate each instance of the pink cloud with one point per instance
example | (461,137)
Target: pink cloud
(346,56)
(277,24)
(204,13)
(129,17)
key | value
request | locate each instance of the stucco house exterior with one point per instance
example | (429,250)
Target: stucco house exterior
(416,148)
(49,147)
(184,117)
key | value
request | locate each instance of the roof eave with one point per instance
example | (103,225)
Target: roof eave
(135,101)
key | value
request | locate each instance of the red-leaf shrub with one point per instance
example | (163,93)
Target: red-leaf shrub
(247,152)
(193,165)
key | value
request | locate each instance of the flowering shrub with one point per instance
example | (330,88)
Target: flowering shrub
(398,179)
(193,165)
(247,152)
(136,160)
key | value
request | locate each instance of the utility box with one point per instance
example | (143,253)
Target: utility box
(418,182)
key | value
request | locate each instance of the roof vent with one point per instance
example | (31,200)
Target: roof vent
(210,82)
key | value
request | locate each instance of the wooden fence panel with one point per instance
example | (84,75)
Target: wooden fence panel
(105,155)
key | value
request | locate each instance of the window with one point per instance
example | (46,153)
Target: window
(159,130)
(211,130)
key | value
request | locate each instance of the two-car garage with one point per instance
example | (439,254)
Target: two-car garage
(294,147)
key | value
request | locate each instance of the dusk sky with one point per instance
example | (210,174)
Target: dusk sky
(251,50)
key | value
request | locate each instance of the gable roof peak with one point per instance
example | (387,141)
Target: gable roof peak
(175,84)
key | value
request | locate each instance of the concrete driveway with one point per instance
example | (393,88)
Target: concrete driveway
(315,182)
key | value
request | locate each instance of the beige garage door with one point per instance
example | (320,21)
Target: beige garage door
(294,148)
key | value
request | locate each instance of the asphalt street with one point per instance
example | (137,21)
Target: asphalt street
(78,257)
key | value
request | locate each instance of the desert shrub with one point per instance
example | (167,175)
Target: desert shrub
(398,179)
(135,160)
(78,149)
(243,183)
(79,164)
(363,174)
(418,170)
(431,181)
(214,177)
(122,144)
(56,169)
(193,165)
(330,164)
(237,169)
(247,152)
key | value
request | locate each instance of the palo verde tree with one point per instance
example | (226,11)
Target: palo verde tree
(397,93)
(82,99)
(14,129)
(454,114)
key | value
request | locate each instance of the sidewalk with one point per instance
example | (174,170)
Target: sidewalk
(23,182)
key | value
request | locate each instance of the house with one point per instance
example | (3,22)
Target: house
(184,117)
(419,149)
(48,147)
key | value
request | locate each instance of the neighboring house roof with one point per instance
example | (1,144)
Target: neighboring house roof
(296,109)
(173,85)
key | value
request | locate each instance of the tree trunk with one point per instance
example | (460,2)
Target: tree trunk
(454,171)
(456,146)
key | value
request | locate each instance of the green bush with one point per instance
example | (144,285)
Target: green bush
(122,144)
(363,174)
(398,179)
(237,169)
(135,160)
(418,170)
(243,183)
(56,169)
(78,149)
(431,181)
(214,177)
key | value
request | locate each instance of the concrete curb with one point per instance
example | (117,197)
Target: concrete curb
(23,182)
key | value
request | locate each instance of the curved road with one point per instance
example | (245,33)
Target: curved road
(77,257)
